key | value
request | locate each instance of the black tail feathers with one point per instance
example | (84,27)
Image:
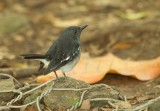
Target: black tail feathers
(33,56)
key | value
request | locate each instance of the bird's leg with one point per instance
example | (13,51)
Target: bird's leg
(65,76)
(56,74)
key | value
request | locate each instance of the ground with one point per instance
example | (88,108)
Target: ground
(128,29)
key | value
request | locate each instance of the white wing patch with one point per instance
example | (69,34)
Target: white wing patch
(67,58)
(46,63)
(79,48)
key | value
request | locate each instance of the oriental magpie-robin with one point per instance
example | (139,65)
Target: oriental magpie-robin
(63,54)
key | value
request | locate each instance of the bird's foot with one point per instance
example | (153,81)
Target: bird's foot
(62,79)
(66,78)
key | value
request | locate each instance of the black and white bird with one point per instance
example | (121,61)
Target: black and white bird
(63,54)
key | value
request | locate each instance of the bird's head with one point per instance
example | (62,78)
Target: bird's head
(74,31)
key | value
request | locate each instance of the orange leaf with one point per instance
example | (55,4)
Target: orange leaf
(92,70)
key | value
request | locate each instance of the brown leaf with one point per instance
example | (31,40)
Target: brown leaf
(7,85)
(123,105)
(122,45)
(95,109)
(85,105)
(92,70)
(30,108)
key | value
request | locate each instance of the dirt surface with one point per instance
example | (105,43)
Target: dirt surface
(128,29)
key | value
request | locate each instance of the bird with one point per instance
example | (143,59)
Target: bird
(63,54)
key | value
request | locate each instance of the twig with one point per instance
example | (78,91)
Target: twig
(79,103)
(17,98)
(142,106)
(20,106)
(27,92)
(9,104)
(42,95)
(105,99)
(7,75)
(111,104)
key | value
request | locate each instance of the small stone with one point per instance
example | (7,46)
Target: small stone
(65,99)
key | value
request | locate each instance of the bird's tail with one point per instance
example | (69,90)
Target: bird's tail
(33,56)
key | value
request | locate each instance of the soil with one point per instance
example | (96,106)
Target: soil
(111,29)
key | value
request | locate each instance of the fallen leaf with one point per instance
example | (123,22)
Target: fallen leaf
(6,90)
(30,108)
(7,85)
(85,105)
(122,45)
(123,105)
(92,70)
(95,109)
(143,98)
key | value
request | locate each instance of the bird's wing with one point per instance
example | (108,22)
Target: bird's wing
(62,59)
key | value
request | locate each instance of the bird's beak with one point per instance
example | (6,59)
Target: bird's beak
(83,27)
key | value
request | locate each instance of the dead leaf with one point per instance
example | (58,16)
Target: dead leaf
(6,90)
(122,45)
(7,85)
(123,105)
(92,70)
(85,105)
(106,109)
(143,98)
(30,108)
(95,109)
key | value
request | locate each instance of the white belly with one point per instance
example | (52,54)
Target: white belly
(69,66)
